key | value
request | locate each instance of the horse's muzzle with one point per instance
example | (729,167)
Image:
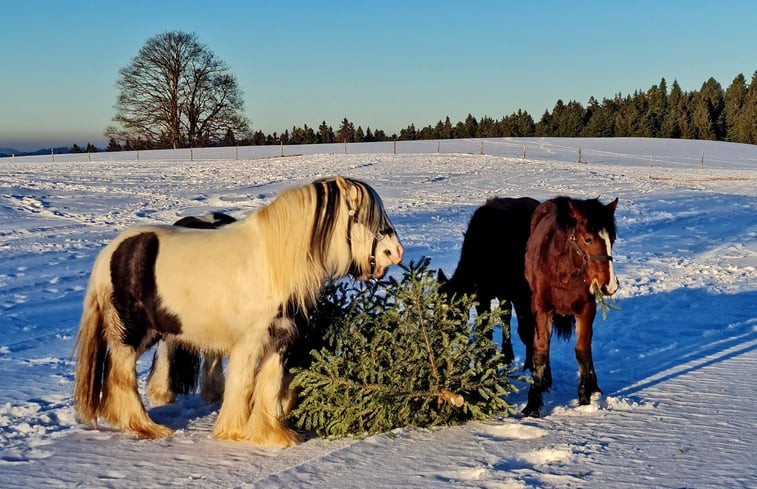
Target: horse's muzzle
(611,288)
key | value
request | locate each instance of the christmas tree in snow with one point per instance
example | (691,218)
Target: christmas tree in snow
(397,353)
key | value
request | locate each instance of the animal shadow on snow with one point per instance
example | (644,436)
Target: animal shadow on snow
(186,410)
(651,340)
(669,334)
(656,338)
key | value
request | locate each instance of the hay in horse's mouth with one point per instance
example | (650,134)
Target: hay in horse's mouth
(596,289)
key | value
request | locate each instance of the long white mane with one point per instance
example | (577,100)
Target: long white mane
(319,231)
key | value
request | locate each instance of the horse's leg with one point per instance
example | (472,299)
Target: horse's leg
(587,378)
(483,306)
(121,405)
(507,343)
(288,394)
(159,390)
(264,426)
(540,372)
(237,394)
(212,378)
(526,326)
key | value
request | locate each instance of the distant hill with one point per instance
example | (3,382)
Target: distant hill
(60,150)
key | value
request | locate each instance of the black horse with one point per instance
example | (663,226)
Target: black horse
(492,264)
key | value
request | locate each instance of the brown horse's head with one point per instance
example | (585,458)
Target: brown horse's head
(591,241)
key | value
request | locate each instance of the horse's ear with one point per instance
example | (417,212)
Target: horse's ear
(441,277)
(342,183)
(574,211)
(348,189)
(612,205)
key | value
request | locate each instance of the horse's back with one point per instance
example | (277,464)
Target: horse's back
(507,221)
(491,259)
(189,268)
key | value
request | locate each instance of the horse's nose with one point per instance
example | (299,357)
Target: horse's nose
(396,255)
(611,288)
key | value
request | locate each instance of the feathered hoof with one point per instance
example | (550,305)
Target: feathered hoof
(152,431)
(279,437)
(159,397)
(282,437)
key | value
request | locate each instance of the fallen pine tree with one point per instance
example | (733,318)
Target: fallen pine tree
(399,354)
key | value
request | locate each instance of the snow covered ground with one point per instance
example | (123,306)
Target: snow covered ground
(677,363)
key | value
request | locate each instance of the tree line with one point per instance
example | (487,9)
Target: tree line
(175,93)
(710,113)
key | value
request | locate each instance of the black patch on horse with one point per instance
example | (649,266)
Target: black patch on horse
(135,294)
(213,221)
(281,338)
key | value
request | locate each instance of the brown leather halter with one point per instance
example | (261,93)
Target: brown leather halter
(585,257)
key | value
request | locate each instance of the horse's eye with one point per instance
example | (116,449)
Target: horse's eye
(587,240)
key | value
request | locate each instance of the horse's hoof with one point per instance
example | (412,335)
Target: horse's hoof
(153,432)
(281,437)
(530,412)
(585,399)
(158,398)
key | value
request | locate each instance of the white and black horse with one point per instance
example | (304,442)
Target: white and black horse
(153,282)
(177,369)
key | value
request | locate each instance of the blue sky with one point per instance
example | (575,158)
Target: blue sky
(382,64)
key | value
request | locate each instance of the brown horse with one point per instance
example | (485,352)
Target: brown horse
(568,257)
(491,263)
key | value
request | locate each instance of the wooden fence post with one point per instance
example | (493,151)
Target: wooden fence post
(524,151)
(482,147)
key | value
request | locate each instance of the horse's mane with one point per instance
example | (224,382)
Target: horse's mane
(369,211)
(598,215)
(302,226)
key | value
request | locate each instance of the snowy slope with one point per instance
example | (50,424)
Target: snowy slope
(677,364)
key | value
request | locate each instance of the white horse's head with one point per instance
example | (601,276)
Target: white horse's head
(373,240)
(369,240)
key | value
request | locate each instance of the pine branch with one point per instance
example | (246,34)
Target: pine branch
(431,362)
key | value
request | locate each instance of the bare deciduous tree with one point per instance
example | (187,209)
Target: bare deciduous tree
(176,93)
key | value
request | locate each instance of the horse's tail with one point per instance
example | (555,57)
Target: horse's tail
(564,325)
(91,351)
(184,370)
